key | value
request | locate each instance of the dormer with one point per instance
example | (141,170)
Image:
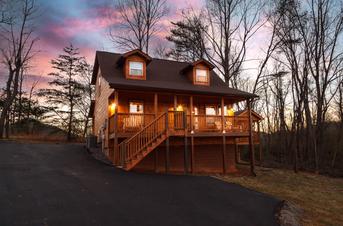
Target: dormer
(134,64)
(198,72)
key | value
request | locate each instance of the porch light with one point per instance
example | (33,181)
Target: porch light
(179,108)
(230,111)
(112,108)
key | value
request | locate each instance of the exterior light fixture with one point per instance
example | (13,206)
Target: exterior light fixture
(230,111)
(179,108)
(113,107)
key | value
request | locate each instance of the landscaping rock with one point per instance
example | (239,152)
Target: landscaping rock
(289,214)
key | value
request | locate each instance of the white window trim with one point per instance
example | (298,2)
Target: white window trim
(132,67)
(204,78)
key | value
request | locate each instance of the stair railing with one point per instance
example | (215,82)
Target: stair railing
(133,146)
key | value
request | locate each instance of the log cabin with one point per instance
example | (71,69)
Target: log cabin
(167,116)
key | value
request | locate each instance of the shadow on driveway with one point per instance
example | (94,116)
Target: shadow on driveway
(60,184)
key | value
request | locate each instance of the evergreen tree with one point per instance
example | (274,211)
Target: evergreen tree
(66,89)
(187,36)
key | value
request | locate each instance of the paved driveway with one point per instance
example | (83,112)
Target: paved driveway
(60,184)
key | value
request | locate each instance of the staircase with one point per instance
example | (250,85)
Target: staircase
(135,148)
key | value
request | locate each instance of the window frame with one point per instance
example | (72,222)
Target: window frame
(195,75)
(127,68)
(204,79)
(136,101)
(137,62)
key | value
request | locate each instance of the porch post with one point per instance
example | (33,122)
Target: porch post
(224,154)
(167,148)
(259,142)
(191,114)
(251,144)
(224,138)
(156,112)
(192,154)
(116,151)
(222,113)
(192,131)
(175,102)
(237,158)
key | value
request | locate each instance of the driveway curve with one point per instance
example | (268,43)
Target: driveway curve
(60,184)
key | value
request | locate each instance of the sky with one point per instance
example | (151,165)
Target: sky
(85,24)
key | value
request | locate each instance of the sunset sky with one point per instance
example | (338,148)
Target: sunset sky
(86,24)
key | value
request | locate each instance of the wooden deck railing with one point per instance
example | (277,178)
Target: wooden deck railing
(129,122)
(133,146)
(236,124)
(178,120)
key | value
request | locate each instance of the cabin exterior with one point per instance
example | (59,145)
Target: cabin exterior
(168,116)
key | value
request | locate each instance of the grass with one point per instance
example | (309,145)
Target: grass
(320,197)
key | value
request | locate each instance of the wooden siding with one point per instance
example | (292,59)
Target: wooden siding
(102,94)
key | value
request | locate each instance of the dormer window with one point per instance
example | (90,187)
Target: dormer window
(201,75)
(136,68)
(198,72)
(134,64)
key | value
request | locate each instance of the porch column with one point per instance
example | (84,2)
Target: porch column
(259,142)
(167,148)
(192,131)
(251,144)
(224,138)
(156,115)
(116,154)
(175,102)
(192,153)
(222,113)
(191,113)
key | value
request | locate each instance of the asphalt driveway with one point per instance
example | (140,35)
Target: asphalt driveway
(60,184)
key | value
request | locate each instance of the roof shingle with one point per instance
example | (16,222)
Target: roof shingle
(162,75)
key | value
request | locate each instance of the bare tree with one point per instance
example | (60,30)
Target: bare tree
(231,24)
(16,51)
(139,23)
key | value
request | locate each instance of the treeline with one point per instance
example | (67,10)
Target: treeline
(64,103)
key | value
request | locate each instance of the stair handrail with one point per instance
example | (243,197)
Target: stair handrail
(123,145)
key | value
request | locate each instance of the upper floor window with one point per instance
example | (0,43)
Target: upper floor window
(135,68)
(201,75)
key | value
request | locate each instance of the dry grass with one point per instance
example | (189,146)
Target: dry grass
(319,196)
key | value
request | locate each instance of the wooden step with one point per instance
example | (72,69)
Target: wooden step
(139,157)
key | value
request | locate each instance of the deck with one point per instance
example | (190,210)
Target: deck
(181,124)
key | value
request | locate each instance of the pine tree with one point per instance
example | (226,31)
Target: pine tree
(188,38)
(66,89)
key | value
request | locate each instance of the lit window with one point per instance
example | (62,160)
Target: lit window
(211,110)
(136,107)
(136,68)
(201,76)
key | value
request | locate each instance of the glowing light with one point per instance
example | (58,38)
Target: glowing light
(112,108)
(230,111)
(179,108)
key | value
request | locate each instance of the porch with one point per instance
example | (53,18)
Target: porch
(140,122)
(188,115)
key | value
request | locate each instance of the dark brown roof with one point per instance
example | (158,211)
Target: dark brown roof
(162,75)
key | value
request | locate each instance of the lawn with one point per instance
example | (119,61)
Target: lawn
(320,197)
